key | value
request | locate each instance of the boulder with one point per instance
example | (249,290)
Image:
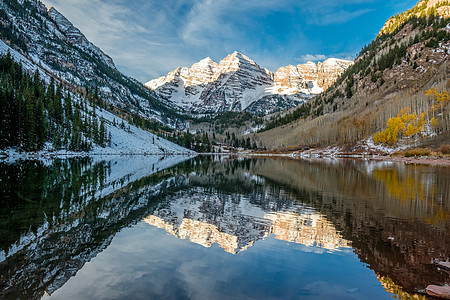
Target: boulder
(442,292)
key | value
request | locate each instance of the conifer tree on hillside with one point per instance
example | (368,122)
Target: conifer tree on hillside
(32,114)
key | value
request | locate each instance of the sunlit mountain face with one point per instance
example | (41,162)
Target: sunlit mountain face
(237,83)
(129,227)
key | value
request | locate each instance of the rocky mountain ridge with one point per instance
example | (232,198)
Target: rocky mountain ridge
(323,74)
(422,9)
(237,83)
(50,40)
(75,36)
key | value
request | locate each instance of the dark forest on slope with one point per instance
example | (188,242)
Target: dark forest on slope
(32,114)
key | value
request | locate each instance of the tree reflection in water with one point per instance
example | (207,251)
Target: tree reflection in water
(57,216)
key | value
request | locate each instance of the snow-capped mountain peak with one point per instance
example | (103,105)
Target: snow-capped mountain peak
(238,83)
(238,58)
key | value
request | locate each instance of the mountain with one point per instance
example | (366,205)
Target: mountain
(51,41)
(59,92)
(322,75)
(237,83)
(403,72)
(75,37)
(55,119)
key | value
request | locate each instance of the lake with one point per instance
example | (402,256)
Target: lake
(219,227)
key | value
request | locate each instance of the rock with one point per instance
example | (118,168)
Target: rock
(442,292)
(74,35)
(443,265)
(421,291)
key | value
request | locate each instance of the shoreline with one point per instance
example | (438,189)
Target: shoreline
(432,161)
(13,156)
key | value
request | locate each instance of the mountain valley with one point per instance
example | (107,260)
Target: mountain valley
(238,103)
(328,179)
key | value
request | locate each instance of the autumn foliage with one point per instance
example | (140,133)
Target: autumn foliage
(441,99)
(404,124)
(408,125)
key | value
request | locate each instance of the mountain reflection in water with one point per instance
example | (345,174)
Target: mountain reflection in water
(58,215)
(235,223)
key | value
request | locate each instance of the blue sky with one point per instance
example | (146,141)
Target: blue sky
(149,38)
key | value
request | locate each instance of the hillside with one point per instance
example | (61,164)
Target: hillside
(390,76)
(51,41)
(39,115)
(237,83)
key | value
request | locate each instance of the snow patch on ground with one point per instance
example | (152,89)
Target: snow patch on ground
(135,140)
(370,145)
(254,129)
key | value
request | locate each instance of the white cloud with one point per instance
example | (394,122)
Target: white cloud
(312,57)
(141,44)
(321,57)
(102,22)
(220,19)
(148,38)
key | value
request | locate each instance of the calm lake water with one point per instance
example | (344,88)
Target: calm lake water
(221,228)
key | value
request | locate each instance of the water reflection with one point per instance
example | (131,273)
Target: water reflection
(236,222)
(307,228)
(58,215)
(392,234)
(417,188)
(55,218)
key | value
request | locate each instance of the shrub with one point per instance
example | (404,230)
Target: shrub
(445,149)
(418,152)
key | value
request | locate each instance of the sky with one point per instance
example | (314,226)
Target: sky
(149,38)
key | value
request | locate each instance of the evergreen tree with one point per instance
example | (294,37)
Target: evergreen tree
(102,134)
(68,107)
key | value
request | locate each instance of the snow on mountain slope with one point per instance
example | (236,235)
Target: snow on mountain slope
(133,140)
(237,83)
(126,139)
(25,62)
(53,41)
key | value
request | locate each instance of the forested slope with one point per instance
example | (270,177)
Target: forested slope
(391,75)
